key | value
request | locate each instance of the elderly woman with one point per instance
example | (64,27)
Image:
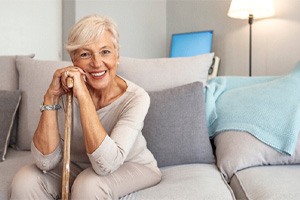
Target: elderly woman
(108,151)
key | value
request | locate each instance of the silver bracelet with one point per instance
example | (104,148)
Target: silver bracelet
(49,107)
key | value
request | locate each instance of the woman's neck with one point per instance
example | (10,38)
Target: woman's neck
(112,92)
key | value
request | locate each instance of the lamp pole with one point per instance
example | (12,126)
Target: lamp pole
(243,9)
(250,21)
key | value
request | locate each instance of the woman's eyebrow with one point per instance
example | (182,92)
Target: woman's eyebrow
(103,47)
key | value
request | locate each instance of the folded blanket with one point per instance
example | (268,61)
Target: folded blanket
(266,107)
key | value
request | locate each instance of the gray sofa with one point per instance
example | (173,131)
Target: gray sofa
(193,166)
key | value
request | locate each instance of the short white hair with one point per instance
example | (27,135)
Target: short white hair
(88,29)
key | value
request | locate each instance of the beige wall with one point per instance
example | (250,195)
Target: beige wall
(31,26)
(275,40)
(40,27)
(146,27)
(142,23)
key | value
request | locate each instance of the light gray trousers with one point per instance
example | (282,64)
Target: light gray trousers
(31,183)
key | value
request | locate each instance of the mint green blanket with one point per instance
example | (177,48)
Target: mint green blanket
(266,107)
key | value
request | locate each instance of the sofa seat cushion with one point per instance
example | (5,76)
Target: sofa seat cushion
(267,182)
(237,150)
(192,181)
(13,162)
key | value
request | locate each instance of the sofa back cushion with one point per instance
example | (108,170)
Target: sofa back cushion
(10,82)
(34,79)
(9,73)
(163,73)
(175,126)
(153,75)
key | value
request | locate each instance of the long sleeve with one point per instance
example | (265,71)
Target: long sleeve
(128,121)
(46,162)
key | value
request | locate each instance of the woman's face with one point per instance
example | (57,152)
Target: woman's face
(99,60)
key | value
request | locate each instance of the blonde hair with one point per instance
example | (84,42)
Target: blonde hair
(88,29)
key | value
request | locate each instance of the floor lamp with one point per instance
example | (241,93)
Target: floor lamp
(251,9)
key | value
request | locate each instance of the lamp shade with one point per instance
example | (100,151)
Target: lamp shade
(241,9)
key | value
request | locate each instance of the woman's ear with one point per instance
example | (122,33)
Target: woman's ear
(118,59)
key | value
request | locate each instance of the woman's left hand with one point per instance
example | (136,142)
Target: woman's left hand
(79,80)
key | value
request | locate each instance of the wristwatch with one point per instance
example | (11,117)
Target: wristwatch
(49,107)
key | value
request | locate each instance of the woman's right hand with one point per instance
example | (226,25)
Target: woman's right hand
(55,90)
(58,85)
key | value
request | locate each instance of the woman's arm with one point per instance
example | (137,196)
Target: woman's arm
(46,139)
(114,149)
(93,131)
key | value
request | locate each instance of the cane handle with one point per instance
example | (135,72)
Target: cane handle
(70,82)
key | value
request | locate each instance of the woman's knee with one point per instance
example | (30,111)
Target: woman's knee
(25,180)
(89,185)
(32,183)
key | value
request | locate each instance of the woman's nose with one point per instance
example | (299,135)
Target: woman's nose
(96,60)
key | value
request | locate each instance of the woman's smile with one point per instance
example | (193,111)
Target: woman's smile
(98,74)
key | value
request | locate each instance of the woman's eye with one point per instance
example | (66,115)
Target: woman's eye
(85,55)
(105,52)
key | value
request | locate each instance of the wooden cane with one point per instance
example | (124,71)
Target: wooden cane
(67,142)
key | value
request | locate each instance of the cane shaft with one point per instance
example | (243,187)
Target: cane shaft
(67,143)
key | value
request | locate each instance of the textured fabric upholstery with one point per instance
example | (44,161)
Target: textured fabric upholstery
(162,73)
(236,150)
(175,127)
(190,182)
(267,182)
(9,103)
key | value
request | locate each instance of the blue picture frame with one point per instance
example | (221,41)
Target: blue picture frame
(191,44)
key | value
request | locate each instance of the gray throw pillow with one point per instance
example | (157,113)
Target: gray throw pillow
(9,103)
(175,127)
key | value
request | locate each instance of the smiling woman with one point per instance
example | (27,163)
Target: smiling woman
(98,59)
(109,151)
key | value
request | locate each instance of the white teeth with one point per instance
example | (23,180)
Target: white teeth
(98,74)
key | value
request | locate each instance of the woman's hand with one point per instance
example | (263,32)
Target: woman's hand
(58,85)
(79,79)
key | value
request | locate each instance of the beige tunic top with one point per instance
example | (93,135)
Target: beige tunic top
(123,120)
